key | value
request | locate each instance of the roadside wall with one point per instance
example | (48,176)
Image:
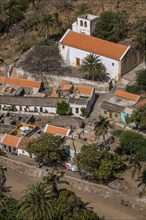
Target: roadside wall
(99,190)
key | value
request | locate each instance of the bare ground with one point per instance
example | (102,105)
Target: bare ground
(17,182)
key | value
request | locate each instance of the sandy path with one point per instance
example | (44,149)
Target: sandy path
(103,207)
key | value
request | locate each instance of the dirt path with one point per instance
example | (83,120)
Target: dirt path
(103,207)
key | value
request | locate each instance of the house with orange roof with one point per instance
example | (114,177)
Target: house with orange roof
(80,98)
(18,86)
(55,130)
(120,106)
(118,59)
(16,141)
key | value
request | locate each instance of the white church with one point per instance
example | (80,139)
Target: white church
(77,43)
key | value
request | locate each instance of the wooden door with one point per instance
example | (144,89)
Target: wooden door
(77,61)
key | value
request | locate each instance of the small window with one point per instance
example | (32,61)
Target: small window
(116,115)
(85,24)
(105,112)
(81,23)
(23,152)
(63,47)
(113,64)
(77,110)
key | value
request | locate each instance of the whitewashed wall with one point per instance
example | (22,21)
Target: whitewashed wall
(74,106)
(70,54)
(23,152)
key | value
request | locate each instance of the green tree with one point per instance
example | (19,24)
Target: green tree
(63,108)
(48,22)
(102,126)
(135,89)
(139,117)
(36,203)
(135,165)
(2,177)
(111,26)
(47,149)
(141,79)
(69,206)
(53,179)
(132,143)
(92,68)
(100,166)
(8,208)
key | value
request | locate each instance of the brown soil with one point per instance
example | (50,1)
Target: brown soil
(17,183)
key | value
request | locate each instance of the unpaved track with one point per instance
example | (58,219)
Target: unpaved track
(103,207)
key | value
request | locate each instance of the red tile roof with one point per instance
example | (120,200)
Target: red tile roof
(10,140)
(65,86)
(141,103)
(84,90)
(54,94)
(94,45)
(51,129)
(127,95)
(20,82)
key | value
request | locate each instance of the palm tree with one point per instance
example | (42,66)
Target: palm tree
(53,178)
(35,204)
(135,165)
(92,68)
(2,177)
(48,21)
(102,126)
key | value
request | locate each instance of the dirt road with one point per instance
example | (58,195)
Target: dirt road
(17,183)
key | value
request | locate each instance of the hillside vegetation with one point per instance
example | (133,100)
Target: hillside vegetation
(26,23)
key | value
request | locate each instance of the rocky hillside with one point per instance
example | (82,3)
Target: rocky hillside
(30,29)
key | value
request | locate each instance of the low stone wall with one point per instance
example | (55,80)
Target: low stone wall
(99,86)
(99,190)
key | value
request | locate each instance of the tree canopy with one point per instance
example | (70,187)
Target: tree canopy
(47,149)
(63,108)
(111,26)
(140,85)
(100,166)
(139,117)
(132,143)
(92,68)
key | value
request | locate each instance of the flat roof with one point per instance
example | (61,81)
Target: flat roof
(30,101)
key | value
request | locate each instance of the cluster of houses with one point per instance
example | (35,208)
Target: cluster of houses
(28,96)
(121,106)
(21,95)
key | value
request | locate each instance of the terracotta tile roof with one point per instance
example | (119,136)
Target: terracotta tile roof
(51,129)
(11,140)
(21,82)
(141,103)
(54,94)
(2,79)
(127,95)
(84,90)
(65,86)
(94,45)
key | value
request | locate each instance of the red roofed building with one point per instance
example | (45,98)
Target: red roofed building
(55,130)
(118,59)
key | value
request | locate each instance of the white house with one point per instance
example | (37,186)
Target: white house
(118,59)
(85,24)
(15,145)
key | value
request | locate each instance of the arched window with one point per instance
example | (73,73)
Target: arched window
(81,23)
(85,24)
